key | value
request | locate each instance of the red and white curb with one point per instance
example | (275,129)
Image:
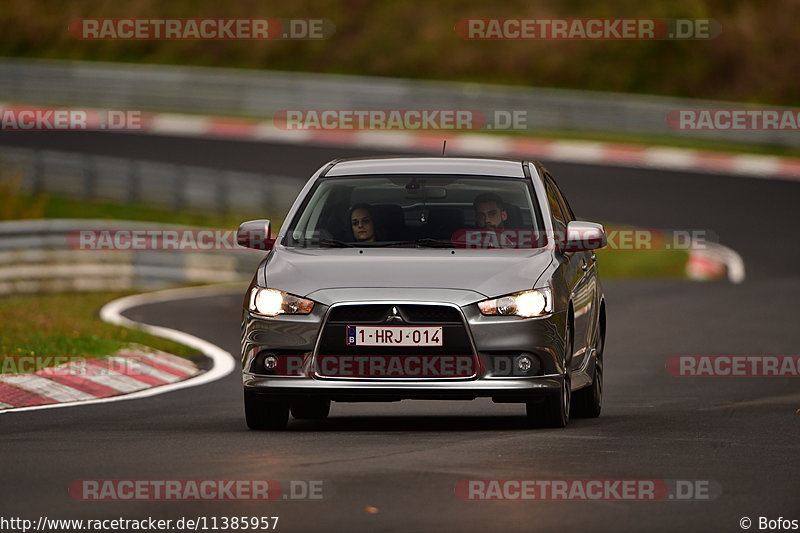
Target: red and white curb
(128,370)
(148,373)
(496,145)
(713,261)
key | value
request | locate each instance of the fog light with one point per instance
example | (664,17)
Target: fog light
(270,362)
(524,363)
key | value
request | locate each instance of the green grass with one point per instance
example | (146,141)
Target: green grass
(61,207)
(19,206)
(67,324)
(641,264)
(632,253)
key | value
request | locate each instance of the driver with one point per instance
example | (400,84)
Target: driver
(490,211)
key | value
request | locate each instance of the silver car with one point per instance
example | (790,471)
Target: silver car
(446,278)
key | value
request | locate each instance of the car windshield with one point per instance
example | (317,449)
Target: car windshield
(419,211)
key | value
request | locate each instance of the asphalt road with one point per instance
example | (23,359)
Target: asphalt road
(404,459)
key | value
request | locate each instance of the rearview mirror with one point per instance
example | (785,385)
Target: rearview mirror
(582,236)
(430,193)
(255,234)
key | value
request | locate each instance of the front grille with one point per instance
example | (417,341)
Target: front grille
(411,313)
(360,313)
(455,339)
(436,314)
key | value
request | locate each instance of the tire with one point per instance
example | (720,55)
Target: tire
(553,412)
(265,412)
(311,409)
(588,402)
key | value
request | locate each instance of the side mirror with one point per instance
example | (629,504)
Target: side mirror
(582,236)
(255,234)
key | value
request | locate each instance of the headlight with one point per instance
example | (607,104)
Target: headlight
(272,302)
(526,304)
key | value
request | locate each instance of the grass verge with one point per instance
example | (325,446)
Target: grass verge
(67,324)
(17,205)
(642,264)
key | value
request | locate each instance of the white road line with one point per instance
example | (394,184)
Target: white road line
(734,264)
(46,388)
(223,362)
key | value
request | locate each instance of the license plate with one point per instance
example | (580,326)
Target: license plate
(394,336)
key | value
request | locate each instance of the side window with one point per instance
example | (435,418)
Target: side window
(555,207)
(570,215)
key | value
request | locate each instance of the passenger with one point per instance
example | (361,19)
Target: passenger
(490,211)
(362,223)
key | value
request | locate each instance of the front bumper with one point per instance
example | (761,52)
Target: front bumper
(507,390)
(491,338)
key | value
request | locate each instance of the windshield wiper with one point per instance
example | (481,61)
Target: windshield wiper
(332,243)
(422,243)
(434,243)
(391,243)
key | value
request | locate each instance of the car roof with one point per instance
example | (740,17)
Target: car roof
(478,166)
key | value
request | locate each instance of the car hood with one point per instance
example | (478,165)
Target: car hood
(487,273)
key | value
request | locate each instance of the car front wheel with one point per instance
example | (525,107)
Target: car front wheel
(553,412)
(311,409)
(265,412)
(588,402)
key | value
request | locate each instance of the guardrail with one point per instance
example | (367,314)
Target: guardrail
(150,183)
(261,94)
(37,256)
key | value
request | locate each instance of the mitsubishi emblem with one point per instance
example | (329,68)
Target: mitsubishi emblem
(394,316)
